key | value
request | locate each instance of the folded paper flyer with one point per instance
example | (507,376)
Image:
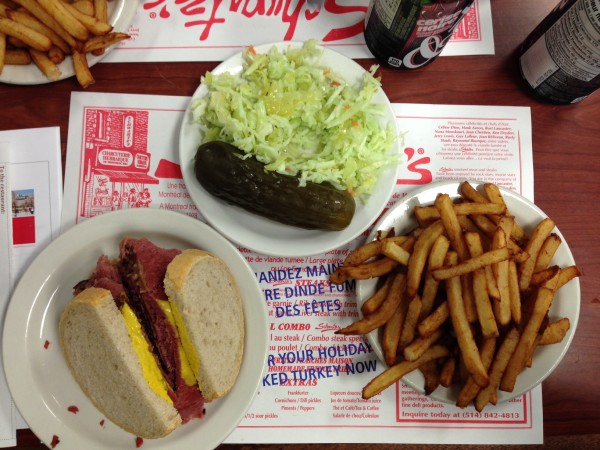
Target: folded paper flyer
(214,31)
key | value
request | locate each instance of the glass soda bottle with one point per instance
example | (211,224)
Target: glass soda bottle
(560,60)
(409,34)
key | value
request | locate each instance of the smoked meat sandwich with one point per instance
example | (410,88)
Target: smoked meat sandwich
(153,335)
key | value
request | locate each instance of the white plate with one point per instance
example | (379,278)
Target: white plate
(39,379)
(263,235)
(120,13)
(565,304)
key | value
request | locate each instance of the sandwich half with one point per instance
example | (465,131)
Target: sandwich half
(98,350)
(208,312)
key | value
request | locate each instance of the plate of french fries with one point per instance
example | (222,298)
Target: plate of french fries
(42,41)
(467,291)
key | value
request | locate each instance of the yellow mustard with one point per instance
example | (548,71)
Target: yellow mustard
(150,368)
(187,353)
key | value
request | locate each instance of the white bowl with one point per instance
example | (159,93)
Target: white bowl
(565,304)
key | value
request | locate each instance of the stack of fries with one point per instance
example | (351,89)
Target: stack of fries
(464,297)
(46,31)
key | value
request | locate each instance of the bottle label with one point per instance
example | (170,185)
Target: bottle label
(570,45)
(406,33)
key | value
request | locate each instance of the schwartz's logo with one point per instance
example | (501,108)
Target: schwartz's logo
(415,165)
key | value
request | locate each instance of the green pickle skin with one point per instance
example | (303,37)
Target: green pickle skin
(222,172)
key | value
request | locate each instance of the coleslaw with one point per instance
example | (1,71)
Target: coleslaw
(300,118)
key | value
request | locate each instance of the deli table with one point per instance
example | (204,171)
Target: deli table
(566,156)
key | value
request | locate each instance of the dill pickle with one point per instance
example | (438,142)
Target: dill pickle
(246,183)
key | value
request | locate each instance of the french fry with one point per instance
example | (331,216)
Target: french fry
(448,216)
(427,214)
(485,314)
(498,368)
(58,10)
(17,57)
(410,322)
(56,55)
(390,338)
(338,276)
(395,252)
(470,193)
(419,256)
(539,235)
(36,10)
(431,285)
(434,321)
(566,274)
(543,300)
(447,372)
(392,329)
(493,194)
(444,205)
(373,269)
(555,332)
(25,34)
(82,69)
(506,223)
(374,301)
(470,389)
(45,64)
(547,252)
(100,9)
(431,374)
(464,335)
(474,244)
(363,253)
(472,264)
(514,293)
(86,7)
(420,345)
(369,251)
(536,342)
(16,42)
(396,372)
(92,24)
(489,227)
(502,306)
(383,314)
(96,43)
(542,276)
(25,18)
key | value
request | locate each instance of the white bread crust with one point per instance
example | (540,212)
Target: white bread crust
(99,354)
(202,287)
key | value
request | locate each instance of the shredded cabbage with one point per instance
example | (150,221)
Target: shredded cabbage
(299,118)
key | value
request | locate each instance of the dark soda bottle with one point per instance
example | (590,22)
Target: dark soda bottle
(560,60)
(409,34)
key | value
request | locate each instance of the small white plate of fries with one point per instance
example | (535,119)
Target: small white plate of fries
(467,291)
(42,41)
